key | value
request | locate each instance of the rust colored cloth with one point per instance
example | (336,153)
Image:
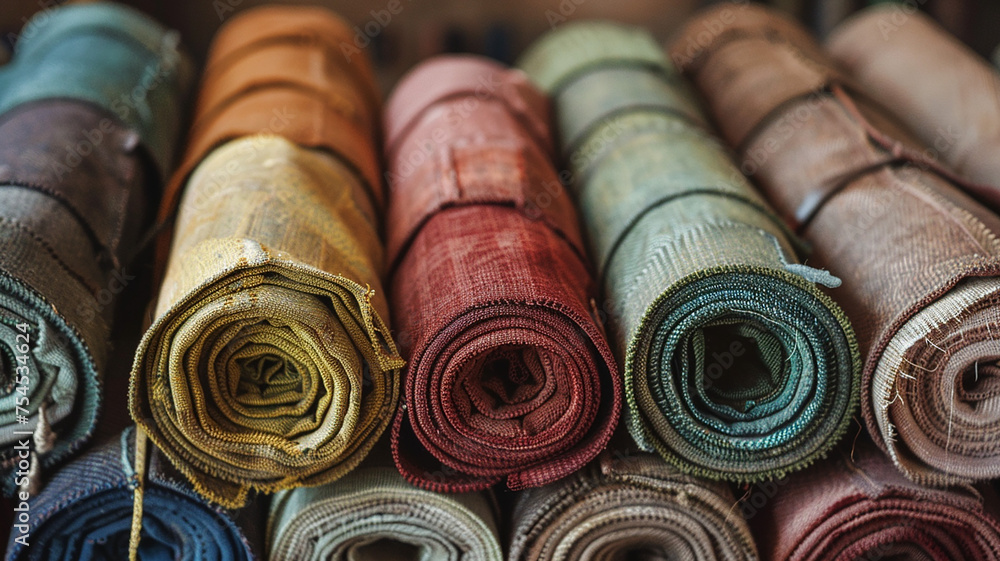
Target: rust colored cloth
(859,507)
(918,257)
(279,70)
(269,364)
(510,377)
(945,93)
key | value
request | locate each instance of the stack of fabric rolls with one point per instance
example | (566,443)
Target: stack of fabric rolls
(90,108)
(538,313)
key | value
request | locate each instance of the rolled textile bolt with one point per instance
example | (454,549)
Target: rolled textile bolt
(510,378)
(277,70)
(919,258)
(270,364)
(629,505)
(82,162)
(737,366)
(940,89)
(84,514)
(373,514)
(858,506)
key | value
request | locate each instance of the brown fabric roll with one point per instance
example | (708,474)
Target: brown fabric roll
(857,506)
(279,70)
(947,94)
(917,256)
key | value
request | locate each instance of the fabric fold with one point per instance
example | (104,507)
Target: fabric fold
(629,505)
(269,364)
(918,257)
(85,514)
(940,89)
(81,158)
(373,514)
(858,506)
(737,366)
(510,377)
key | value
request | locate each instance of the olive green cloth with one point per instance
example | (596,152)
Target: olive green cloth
(269,364)
(736,365)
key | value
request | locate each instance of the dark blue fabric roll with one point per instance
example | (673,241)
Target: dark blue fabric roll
(85,513)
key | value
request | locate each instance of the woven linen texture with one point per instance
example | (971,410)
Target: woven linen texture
(857,505)
(85,514)
(270,364)
(80,177)
(629,505)
(917,256)
(510,377)
(373,514)
(737,366)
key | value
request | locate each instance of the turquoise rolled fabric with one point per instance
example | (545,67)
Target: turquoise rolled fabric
(109,55)
(737,365)
(91,107)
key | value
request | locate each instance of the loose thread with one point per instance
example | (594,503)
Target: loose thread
(140,470)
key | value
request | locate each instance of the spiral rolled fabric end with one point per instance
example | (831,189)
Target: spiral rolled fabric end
(510,377)
(720,379)
(928,381)
(262,371)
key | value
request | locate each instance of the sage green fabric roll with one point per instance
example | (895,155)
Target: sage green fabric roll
(373,514)
(111,56)
(737,366)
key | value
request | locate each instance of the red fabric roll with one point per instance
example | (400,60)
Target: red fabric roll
(510,376)
(858,506)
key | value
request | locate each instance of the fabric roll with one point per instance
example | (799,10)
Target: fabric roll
(919,258)
(858,506)
(510,377)
(85,514)
(940,89)
(629,505)
(737,366)
(78,182)
(373,514)
(270,364)
(279,70)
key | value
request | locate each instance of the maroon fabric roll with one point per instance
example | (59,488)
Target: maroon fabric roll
(858,506)
(509,377)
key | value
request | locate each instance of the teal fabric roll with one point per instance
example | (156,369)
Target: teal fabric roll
(111,56)
(737,366)
(90,110)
